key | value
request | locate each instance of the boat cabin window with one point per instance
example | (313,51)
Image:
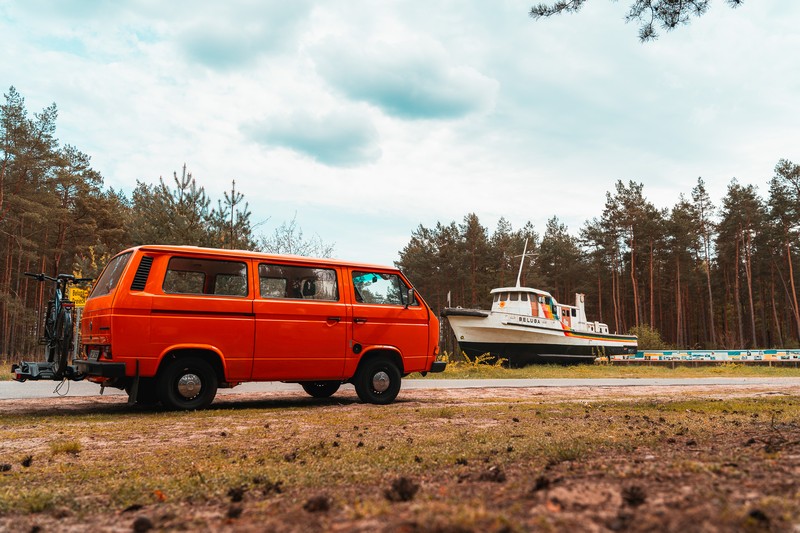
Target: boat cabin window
(574,312)
(523,297)
(497,297)
(514,296)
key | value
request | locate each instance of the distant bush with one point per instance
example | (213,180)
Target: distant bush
(649,338)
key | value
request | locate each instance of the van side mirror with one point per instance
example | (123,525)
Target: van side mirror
(410,298)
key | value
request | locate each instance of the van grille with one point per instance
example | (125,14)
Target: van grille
(140,279)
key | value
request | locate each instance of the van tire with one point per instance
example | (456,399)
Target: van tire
(187,383)
(377,381)
(321,389)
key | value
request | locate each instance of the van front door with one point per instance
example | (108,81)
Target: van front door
(301,324)
(381,318)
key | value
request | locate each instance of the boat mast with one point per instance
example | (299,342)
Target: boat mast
(522,262)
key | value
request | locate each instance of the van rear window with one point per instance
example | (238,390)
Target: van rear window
(110,277)
(187,275)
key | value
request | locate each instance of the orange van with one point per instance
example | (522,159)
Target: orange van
(172,324)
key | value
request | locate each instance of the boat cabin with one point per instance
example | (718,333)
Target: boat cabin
(540,304)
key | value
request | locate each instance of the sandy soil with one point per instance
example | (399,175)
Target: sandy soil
(748,479)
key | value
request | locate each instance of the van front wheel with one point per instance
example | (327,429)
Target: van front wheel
(377,381)
(321,389)
(187,383)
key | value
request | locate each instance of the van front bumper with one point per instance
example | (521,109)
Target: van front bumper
(438,366)
(101,368)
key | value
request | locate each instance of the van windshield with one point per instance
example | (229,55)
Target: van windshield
(110,276)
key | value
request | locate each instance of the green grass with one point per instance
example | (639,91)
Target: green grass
(481,370)
(471,370)
(72,447)
(474,370)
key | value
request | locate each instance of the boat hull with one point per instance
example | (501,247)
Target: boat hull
(524,341)
(523,354)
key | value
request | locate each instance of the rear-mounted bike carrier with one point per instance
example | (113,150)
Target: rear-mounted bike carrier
(36,371)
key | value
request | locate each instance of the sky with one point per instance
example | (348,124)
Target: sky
(365,119)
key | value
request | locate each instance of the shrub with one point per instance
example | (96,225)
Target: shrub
(649,338)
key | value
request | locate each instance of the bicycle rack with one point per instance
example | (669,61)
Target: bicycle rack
(60,303)
(42,370)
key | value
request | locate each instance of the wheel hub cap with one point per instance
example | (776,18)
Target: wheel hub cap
(380,381)
(189,385)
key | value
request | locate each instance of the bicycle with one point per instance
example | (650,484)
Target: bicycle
(58,332)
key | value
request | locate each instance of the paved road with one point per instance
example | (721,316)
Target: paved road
(46,389)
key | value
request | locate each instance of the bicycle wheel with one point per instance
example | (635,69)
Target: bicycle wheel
(62,342)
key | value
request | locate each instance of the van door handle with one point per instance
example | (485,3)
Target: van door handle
(359,320)
(334,318)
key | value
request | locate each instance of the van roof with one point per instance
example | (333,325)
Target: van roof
(164,248)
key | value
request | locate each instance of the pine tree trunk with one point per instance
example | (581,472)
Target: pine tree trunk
(736,297)
(749,273)
(615,290)
(775,308)
(678,322)
(660,304)
(15,317)
(794,290)
(726,320)
(633,281)
(652,299)
(599,296)
(5,293)
(710,297)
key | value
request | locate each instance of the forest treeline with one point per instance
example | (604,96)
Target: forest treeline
(57,217)
(703,274)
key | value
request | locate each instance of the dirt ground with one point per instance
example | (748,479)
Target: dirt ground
(742,475)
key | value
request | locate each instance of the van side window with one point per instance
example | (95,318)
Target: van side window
(110,276)
(286,281)
(377,288)
(187,275)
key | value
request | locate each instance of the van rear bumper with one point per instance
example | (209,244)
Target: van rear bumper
(438,366)
(101,368)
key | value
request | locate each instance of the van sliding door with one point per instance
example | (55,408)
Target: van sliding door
(301,323)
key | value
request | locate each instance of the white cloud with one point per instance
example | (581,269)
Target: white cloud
(367,119)
(344,137)
(235,35)
(412,79)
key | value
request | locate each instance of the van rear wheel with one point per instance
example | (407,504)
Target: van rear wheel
(187,383)
(321,389)
(377,381)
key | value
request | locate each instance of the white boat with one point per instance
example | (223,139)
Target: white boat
(528,326)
